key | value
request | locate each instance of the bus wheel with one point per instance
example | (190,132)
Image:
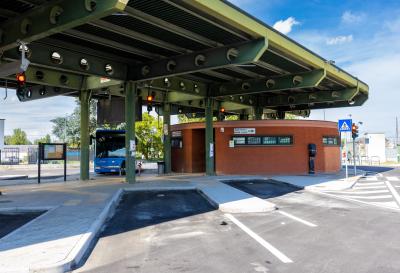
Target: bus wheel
(122,169)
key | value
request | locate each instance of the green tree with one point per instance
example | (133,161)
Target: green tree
(184,119)
(45,139)
(149,134)
(67,128)
(17,138)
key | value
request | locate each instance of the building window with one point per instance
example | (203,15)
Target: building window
(176,142)
(270,140)
(263,140)
(239,140)
(254,140)
(330,140)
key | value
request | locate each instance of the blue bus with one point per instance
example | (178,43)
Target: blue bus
(110,151)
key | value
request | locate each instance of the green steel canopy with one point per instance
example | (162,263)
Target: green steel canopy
(183,51)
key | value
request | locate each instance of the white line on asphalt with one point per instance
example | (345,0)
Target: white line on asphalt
(346,198)
(371,197)
(297,219)
(369,187)
(260,240)
(372,178)
(358,192)
(394,192)
(369,183)
(392,178)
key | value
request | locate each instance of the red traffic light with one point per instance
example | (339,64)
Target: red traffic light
(150,98)
(21,78)
(222,110)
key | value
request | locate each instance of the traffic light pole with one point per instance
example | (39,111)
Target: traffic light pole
(354,156)
(345,158)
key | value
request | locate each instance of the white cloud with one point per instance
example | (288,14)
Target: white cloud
(338,40)
(285,26)
(349,17)
(393,26)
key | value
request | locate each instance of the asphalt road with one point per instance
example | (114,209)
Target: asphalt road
(310,233)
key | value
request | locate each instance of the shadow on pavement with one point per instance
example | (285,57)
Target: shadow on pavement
(264,189)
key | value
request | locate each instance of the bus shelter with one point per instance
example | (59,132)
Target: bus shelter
(190,56)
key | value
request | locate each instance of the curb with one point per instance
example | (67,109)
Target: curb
(79,250)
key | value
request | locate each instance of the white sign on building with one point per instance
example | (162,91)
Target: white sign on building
(1,134)
(244,131)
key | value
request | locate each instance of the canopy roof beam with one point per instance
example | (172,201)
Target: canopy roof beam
(246,52)
(54,57)
(311,98)
(285,82)
(54,17)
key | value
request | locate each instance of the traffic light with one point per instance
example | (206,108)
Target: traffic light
(150,99)
(354,131)
(21,84)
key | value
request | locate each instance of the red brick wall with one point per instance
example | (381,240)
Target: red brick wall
(259,159)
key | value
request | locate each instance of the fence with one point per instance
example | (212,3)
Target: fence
(9,156)
(14,156)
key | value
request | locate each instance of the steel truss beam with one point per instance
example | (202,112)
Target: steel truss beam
(286,82)
(41,91)
(310,99)
(214,58)
(54,57)
(52,83)
(54,17)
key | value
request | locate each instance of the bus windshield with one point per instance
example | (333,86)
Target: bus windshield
(110,144)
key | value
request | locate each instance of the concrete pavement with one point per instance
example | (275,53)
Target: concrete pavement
(57,240)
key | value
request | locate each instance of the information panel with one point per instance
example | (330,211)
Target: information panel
(52,151)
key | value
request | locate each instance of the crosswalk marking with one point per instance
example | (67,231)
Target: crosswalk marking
(387,196)
(373,190)
(361,192)
(370,183)
(392,178)
(371,178)
(369,187)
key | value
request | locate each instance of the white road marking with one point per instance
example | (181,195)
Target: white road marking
(375,204)
(297,219)
(369,183)
(369,187)
(359,192)
(371,178)
(393,191)
(260,240)
(372,197)
(392,178)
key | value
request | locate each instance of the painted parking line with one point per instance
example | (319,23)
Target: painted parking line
(282,257)
(307,223)
(394,192)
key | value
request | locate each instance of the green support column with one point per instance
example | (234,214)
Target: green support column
(130,142)
(167,137)
(84,101)
(210,149)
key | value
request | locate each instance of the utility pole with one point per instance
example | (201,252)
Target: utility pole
(397,139)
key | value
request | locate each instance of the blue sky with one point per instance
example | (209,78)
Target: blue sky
(362,37)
